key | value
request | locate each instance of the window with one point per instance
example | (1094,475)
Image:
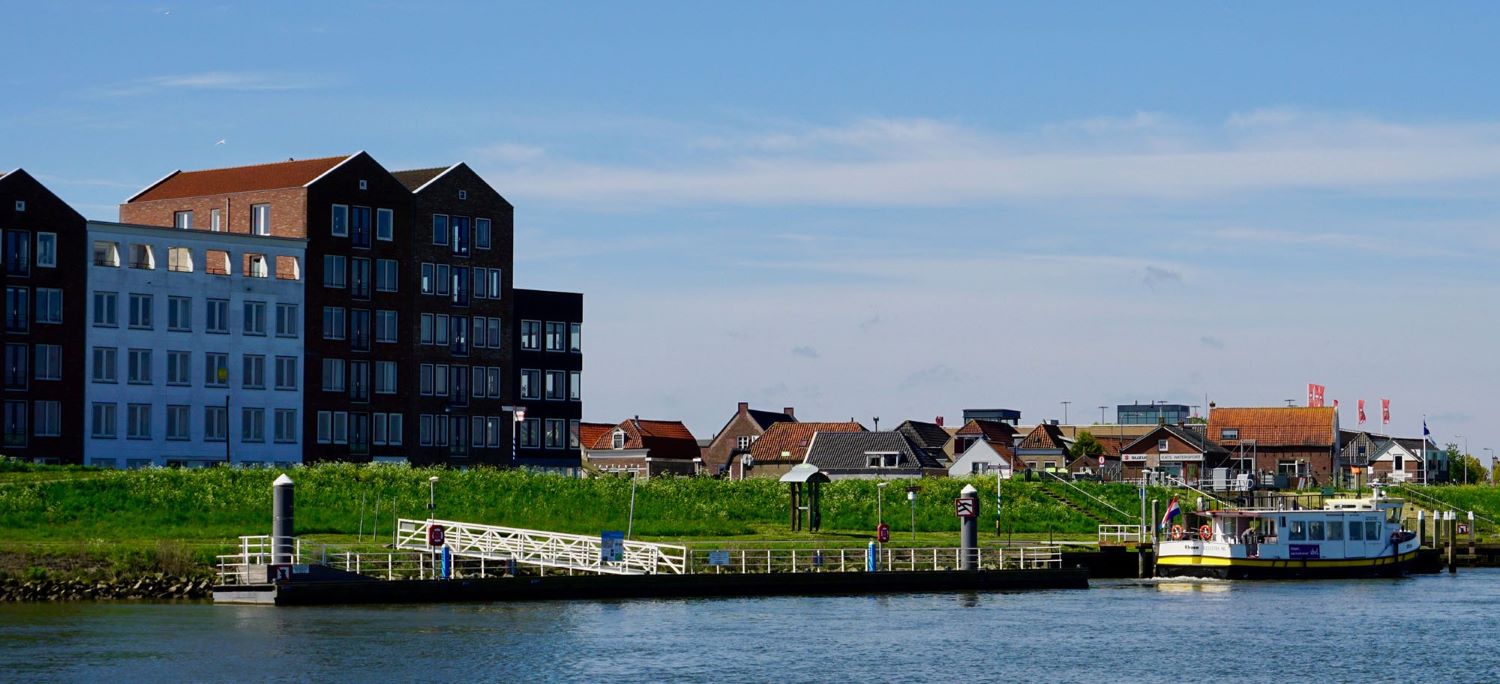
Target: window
(494,283)
(1372,530)
(178,422)
(482,233)
(1229,433)
(573,426)
(215,424)
(556,385)
(530,433)
(493,328)
(46,250)
(385,326)
(531,335)
(260,219)
(333,323)
(340,221)
(215,223)
(459,381)
(394,429)
(48,362)
(461,285)
(255,318)
(881,460)
(254,376)
(743,442)
(460,235)
(325,427)
(179,368)
(439,229)
(531,384)
(479,338)
(142,257)
(253,425)
(492,431)
(440,330)
(215,369)
(138,364)
(556,434)
(286,320)
(359,278)
(17,367)
(359,224)
(477,385)
(47,418)
(424,379)
(179,314)
(105,369)
(104,421)
(424,429)
(15,423)
(359,329)
(217,318)
(385,377)
(105,313)
(334,271)
(286,372)
(492,382)
(18,255)
(17,309)
(1315,530)
(333,375)
(385,225)
(385,275)
(49,303)
(106,253)
(140,311)
(481,284)
(428,286)
(554,336)
(286,426)
(137,421)
(1297,531)
(440,379)
(216,262)
(340,427)
(1162,445)
(476,431)
(458,331)
(424,328)
(575,337)
(1335,531)
(575,385)
(258,266)
(442,276)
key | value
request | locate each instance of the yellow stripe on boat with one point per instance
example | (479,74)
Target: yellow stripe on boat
(1217,562)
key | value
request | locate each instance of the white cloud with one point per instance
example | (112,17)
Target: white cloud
(227,81)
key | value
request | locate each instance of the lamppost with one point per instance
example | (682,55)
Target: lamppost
(431,513)
(880,504)
(1465,461)
(911,498)
(1492,461)
(1065,411)
(1101,414)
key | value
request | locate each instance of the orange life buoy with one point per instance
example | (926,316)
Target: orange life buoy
(1177,532)
(1206,533)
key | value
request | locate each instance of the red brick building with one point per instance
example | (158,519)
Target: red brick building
(724,456)
(784,445)
(1298,442)
(643,448)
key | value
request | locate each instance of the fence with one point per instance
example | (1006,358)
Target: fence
(1120,534)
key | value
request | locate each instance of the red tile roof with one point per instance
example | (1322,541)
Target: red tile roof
(589,433)
(287,174)
(793,438)
(992,430)
(1275,426)
(1044,436)
(660,438)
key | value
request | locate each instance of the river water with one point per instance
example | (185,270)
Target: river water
(1436,628)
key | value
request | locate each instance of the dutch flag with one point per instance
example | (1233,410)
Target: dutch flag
(1173,510)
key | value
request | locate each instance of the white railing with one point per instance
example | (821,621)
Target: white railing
(543,549)
(767,560)
(1120,534)
(255,550)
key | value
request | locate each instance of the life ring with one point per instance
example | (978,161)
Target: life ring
(1205,533)
(1177,532)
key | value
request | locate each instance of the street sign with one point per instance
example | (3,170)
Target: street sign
(611,546)
(436,535)
(883,532)
(1463,528)
(718,558)
(966,507)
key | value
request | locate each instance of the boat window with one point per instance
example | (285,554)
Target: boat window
(1356,530)
(1315,530)
(1268,527)
(1393,515)
(1299,531)
(1336,531)
(1372,530)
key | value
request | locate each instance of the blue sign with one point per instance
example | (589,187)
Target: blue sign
(1305,551)
(611,546)
(718,558)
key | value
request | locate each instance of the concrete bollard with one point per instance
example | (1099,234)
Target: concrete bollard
(968,516)
(283,539)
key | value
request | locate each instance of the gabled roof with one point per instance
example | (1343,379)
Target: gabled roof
(924,435)
(416,179)
(766,419)
(661,438)
(287,174)
(992,430)
(589,433)
(1275,425)
(1193,438)
(20,176)
(793,438)
(1044,436)
(846,451)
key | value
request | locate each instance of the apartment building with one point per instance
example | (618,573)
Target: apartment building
(549,378)
(44,246)
(194,347)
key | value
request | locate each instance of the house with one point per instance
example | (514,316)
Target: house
(784,445)
(1109,456)
(1293,441)
(932,438)
(723,455)
(986,455)
(642,448)
(1401,459)
(869,455)
(980,430)
(1178,451)
(1044,448)
(547,350)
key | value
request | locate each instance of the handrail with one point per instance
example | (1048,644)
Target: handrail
(1096,499)
(1183,483)
(1434,501)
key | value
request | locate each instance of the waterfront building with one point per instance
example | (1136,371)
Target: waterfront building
(1152,414)
(194,347)
(44,245)
(644,448)
(724,455)
(976,430)
(1177,451)
(1291,441)
(784,445)
(548,384)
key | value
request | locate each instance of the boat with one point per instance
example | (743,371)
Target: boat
(1346,537)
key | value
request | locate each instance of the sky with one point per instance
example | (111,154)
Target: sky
(878,209)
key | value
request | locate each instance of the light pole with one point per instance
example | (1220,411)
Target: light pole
(880,504)
(1465,460)
(1065,411)
(911,498)
(431,513)
(1492,462)
(1101,414)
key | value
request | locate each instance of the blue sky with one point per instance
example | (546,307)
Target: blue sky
(867,209)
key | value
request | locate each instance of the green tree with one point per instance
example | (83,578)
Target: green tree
(1085,444)
(1464,468)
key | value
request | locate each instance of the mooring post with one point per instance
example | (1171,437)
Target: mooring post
(1421,526)
(1452,533)
(282,540)
(968,525)
(1473,532)
(1155,538)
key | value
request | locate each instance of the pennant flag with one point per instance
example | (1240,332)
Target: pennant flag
(1314,395)
(1385,411)
(1173,510)
(1335,404)
(1425,432)
(1361,411)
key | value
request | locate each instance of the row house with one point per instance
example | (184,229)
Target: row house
(727,453)
(870,455)
(932,438)
(784,445)
(641,448)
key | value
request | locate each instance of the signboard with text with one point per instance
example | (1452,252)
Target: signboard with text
(611,546)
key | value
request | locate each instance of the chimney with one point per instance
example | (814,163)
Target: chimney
(791,411)
(939,421)
(744,406)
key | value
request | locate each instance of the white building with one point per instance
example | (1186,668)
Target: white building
(178,323)
(982,457)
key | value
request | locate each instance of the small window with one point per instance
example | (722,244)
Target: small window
(20,205)
(217,262)
(482,232)
(1161,445)
(463,194)
(256,266)
(107,254)
(364,184)
(182,220)
(1229,433)
(142,257)
(385,224)
(179,259)
(46,250)
(215,224)
(1298,531)
(1315,530)
(440,229)
(619,440)
(260,219)
(340,221)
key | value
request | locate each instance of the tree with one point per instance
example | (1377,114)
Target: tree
(1085,444)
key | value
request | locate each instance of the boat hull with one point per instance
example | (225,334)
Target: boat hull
(1258,568)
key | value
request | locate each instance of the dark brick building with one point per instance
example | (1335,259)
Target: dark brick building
(549,372)
(45,263)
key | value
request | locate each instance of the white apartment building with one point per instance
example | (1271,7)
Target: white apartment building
(180,322)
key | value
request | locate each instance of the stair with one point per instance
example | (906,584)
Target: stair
(1065,501)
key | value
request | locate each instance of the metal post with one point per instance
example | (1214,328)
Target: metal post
(1452,531)
(431,513)
(1155,540)
(630,522)
(911,497)
(226,429)
(282,505)
(969,530)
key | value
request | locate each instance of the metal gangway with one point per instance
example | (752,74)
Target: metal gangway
(537,548)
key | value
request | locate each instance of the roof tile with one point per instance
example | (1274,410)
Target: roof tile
(1275,426)
(793,438)
(287,174)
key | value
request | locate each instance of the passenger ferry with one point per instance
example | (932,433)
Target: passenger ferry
(1349,537)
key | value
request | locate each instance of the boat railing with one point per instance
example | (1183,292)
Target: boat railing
(1121,534)
(889,558)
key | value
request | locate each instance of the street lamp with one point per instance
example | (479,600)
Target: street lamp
(1065,411)
(1465,459)
(1101,414)
(1492,461)
(431,512)
(880,503)
(911,498)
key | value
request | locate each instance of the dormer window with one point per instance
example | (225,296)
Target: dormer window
(619,439)
(1229,433)
(882,459)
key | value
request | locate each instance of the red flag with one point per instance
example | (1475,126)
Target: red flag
(1385,411)
(1361,411)
(1314,395)
(1335,404)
